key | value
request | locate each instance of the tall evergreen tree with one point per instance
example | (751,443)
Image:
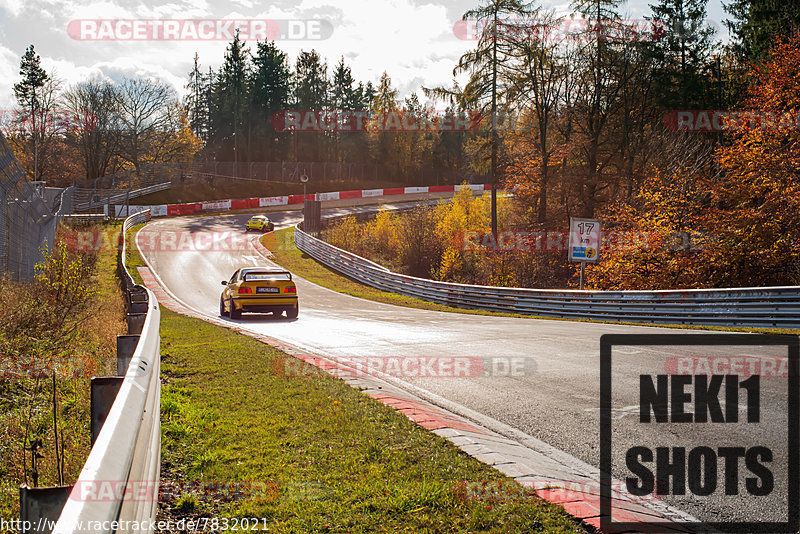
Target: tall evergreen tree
(196,103)
(342,92)
(33,79)
(311,94)
(757,23)
(485,65)
(681,49)
(310,81)
(269,93)
(230,101)
(368,95)
(270,81)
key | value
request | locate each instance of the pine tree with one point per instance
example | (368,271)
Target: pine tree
(342,95)
(681,52)
(368,95)
(485,65)
(269,92)
(757,23)
(270,80)
(311,94)
(230,99)
(310,82)
(33,79)
(197,100)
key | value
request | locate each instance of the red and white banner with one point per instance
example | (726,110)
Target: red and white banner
(249,203)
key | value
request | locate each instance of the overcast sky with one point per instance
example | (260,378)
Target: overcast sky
(413,40)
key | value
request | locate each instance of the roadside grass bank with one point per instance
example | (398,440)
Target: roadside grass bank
(284,252)
(241,439)
(66,319)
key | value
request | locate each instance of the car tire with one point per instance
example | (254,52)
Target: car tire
(234,313)
(222,311)
(291,313)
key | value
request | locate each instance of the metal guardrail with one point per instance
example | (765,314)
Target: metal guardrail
(766,307)
(117,490)
(100,197)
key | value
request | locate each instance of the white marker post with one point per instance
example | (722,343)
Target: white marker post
(584,242)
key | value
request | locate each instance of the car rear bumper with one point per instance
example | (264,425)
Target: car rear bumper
(264,302)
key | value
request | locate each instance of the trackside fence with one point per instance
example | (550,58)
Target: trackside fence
(117,490)
(27,225)
(766,307)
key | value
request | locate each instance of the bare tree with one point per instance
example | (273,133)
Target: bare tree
(146,110)
(97,134)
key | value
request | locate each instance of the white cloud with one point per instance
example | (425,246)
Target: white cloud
(412,40)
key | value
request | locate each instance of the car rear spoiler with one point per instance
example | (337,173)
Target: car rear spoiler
(269,272)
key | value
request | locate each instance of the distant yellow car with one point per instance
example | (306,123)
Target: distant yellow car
(259,289)
(260,223)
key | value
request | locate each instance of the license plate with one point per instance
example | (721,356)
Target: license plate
(268,290)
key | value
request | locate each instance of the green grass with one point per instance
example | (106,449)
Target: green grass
(134,260)
(312,454)
(284,252)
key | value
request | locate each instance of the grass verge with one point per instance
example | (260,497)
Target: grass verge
(310,453)
(284,253)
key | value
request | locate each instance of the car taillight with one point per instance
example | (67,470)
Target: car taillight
(291,289)
(245,290)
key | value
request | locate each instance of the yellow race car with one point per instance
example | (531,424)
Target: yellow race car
(260,223)
(259,289)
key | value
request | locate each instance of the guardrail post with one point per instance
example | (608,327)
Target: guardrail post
(104,391)
(126,345)
(41,507)
(136,322)
(138,301)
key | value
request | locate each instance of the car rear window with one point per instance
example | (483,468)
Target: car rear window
(255,277)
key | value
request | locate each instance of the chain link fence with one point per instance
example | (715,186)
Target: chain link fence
(27,225)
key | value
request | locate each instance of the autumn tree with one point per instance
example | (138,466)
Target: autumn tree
(758,200)
(97,135)
(537,79)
